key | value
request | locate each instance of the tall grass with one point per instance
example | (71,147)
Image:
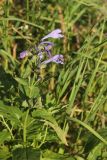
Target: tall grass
(57,112)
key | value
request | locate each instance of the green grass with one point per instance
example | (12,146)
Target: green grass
(57,112)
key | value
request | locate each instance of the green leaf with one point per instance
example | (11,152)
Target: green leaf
(61,134)
(21,81)
(49,155)
(4,136)
(45,114)
(79,158)
(26,154)
(7,56)
(31,91)
(50,120)
(93,141)
(4,153)
(13,18)
(96,134)
(11,113)
(96,152)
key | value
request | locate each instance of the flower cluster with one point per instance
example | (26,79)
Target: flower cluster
(46,46)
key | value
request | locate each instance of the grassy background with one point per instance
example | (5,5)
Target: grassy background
(58,112)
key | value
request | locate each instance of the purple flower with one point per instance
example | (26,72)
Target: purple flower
(47,47)
(43,50)
(54,34)
(57,59)
(40,54)
(23,54)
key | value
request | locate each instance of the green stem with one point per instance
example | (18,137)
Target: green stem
(6,125)
(43,141)
(24,127)
(27,10)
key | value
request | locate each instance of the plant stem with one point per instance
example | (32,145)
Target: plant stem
(24,127)
(6,125)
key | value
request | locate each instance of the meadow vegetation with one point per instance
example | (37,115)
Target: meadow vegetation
(53,111)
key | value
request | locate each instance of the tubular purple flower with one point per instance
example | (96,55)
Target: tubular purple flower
(23,54)
(47,45)
(43,49)
(47,48)
(59,59)
(54,34)
(40,54)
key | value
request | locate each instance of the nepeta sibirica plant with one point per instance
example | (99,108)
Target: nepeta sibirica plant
(36,58)
(29,76)
(49,109)
(44,48)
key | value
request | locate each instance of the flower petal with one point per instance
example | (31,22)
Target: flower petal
(54,34)
(57,59)
(40,54)
(46,47)
(23,54)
